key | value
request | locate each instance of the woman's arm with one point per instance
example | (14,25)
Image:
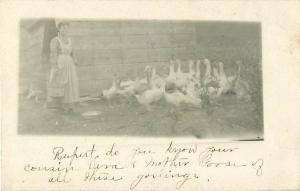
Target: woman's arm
(74,57)
(54,48)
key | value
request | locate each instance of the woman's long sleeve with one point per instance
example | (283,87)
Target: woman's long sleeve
(74,57)
(53,51)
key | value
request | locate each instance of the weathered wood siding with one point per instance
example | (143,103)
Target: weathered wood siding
(121,47)
(30,70)
(124,48)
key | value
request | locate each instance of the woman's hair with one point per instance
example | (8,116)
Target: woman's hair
(63,23)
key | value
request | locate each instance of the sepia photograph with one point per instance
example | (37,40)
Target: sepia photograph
(163,95)
(154,78)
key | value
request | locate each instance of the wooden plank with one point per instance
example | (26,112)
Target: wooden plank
(135,55)
(81,31)
(33,47)
(155,27)
(182,39)
(123,71)
(106,24)
(34,54)
(85,72)
(105,32)
(160,40)
(183,28)
(107,56)
(86,60)
(137,69)
(35,40)
(160,54)
(75,24)
(160,27)
(99,85)
(135,41)
(134,27)
(133,30)
(181,53)
(162,68)
(106,28)
(126,71)
(102,72)
(83,42)
(84,56)
(86,87)
(106,42)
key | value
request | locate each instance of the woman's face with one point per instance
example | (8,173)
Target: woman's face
(64,29)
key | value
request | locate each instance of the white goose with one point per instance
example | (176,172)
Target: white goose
(151,96)
(32,93)
(191,74)
(193,95)
(240,86)
(139,85)
(156,80)
(224,84)
(112,91)
(234,77)
(171,78)
(148,75)
(208,78)
(174,98)
(128,83)
(181,78)
(198,71)
(216,73)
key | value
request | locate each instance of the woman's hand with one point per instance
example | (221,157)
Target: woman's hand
(54,66)
(74,59)
(75,62)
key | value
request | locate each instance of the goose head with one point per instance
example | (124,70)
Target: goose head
(153,72)
(147,68)
(198,72)
(221,67)
(238,63)
(191,67)
(178,66)
(153,75)
(208,67)
(114,81)
(206,62)
(172,67)
(198,63)
(148,73)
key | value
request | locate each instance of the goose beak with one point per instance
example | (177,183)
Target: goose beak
(171,62)
(206,61)
(147,68)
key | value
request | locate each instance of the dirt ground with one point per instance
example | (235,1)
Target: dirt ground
(228,117)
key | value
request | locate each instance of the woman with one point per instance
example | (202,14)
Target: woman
(63,83)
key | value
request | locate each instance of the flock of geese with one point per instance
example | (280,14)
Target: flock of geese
(178,87)
(193,88)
